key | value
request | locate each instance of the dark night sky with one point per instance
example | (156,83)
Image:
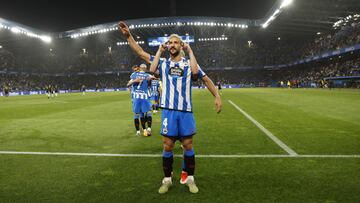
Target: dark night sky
(61,15)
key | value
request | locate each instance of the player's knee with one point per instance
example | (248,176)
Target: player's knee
(187,144)
(168,146)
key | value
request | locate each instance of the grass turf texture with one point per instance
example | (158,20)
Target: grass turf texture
(309,121)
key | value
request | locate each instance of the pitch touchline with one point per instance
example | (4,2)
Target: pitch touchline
(159,155)
(266,131)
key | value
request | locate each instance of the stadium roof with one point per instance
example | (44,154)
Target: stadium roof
(313,16)
(303,17)
(58,16)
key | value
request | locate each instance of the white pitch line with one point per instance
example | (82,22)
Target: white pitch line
(266,131)
(178,155)
(78,154)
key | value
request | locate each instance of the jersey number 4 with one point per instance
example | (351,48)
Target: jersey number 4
(165,122)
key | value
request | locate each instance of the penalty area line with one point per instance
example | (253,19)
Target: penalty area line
(222,156)
(266,131)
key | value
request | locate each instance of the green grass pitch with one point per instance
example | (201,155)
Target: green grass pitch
(309,121)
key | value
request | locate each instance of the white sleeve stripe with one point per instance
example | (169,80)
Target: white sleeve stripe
(172,91)
(164,90)
(181,99)
(188,78)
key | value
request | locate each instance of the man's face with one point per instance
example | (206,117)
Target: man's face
(174,46)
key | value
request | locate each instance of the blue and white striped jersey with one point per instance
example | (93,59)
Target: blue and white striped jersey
(140,90)
(176,81)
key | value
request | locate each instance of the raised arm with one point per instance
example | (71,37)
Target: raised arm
(211,87)
(134,46)
(193,63)
(155,63)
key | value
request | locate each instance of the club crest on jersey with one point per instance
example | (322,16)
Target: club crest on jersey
(176,71)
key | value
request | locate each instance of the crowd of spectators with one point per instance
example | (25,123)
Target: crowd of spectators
(7,60)
(240,53)
(342,37)
(25,82)
(241,62)
(307,75)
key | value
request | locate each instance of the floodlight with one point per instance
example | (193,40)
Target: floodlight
(285,3)
(46,39)
(15,30)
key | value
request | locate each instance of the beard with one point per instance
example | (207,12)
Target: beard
(174,53)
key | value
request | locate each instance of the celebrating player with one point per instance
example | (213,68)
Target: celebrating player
(135,69)
(178,121)
(139,83)
(147,117)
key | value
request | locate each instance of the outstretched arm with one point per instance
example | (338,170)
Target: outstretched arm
(134,46)
(211,87)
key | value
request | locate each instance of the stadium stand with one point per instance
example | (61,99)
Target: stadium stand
(249,63)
